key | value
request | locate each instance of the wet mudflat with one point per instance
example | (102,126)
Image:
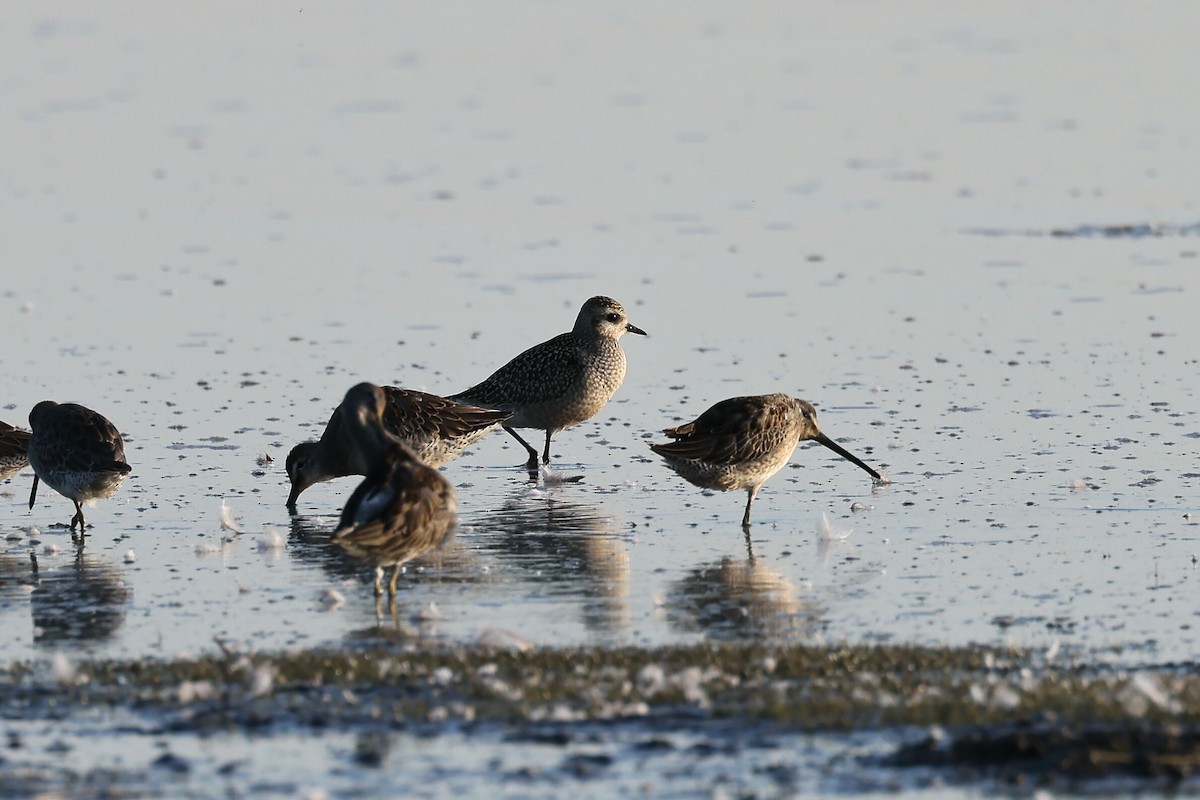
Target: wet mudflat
(929,222)
(669,721)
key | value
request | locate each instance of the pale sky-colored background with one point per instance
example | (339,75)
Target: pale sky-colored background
(214,220)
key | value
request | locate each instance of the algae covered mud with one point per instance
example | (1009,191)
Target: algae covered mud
(710,720)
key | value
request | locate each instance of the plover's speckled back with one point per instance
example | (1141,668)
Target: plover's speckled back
(563,381)
(403,508)
(741,442)
(14,450)
(436,428)
(77,452)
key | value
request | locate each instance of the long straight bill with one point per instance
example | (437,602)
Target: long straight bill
(846,454)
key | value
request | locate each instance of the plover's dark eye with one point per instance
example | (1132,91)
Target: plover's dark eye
(613,317)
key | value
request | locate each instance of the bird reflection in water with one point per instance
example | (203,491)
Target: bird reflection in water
(15,582)
(311,541)
(741,599)
(84,602)
(566,550)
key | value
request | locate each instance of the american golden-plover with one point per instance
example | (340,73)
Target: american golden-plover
(403,508)
(77,453)
(437,429)
(741,442)
(563,381)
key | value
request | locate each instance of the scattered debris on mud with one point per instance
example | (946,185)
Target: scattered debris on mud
(1047,753)
(992,713)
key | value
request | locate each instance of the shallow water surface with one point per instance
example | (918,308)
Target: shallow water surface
(931,223)
(588,761)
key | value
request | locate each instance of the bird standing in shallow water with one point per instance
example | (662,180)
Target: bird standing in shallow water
(563,381)
(14,450)
(77,453)
(741,442)
(403,508)
(437,429)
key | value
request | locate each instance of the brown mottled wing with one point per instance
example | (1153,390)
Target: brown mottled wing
(14,450)
(733,431)
(414,519)
(541,374)
(99,445)
(417,416)
(14,442)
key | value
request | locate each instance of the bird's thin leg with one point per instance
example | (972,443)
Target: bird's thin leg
(78,518)
(533,454)
(750,494)
(392,595)
(378,581)
(546,452)
(33,494)
(749,544)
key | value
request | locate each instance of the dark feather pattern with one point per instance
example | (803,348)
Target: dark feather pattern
(734,431)
(14,450)
(401,510)
(436,428)
(562,381)
(741,442)
(557,363)
(403,507)
(77,452)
